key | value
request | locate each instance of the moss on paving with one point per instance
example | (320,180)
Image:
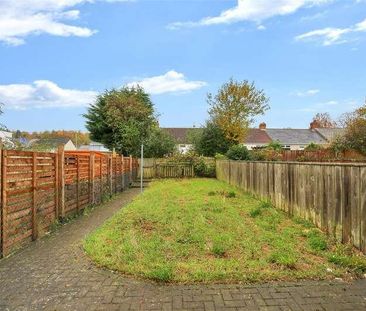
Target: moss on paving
(204,230)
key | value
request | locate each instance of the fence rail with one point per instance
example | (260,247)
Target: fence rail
(37,188)
(332,196)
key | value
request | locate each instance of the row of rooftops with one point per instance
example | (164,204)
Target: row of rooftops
(264,135)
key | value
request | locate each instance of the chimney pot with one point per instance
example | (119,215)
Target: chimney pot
(262,126)
(314,125)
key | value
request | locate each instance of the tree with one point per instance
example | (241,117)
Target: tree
(212,140)
(234,107)
(158,144)
(121,119)
(324,120)
(355,136)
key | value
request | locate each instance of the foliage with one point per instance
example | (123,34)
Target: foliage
(266,154)
(219,156)
(355,136)
(212,140)
(121,119)
(77,137)
(323,120)
(158,144)
(238,152)
(274,145)
(204,167)
(234,107)
(191,231)
(313,147)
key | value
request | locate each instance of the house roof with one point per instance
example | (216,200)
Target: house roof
(330,133)
(50,142)
(257,136)
(180,133)
(295,136)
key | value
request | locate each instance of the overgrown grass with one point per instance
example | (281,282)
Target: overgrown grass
(203,230)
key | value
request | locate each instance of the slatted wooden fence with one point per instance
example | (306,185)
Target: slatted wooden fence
(164,168)
(39,188)
(332,196)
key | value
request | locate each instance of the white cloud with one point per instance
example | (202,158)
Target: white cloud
(307,93)
(43,94)
(252,10)
(170,82)
(21,18)
(331,36)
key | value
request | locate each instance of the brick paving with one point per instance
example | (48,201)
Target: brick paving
(54,274)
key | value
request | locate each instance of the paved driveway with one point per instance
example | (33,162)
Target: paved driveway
(54,274)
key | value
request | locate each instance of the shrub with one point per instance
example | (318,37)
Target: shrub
(274,145)
(204,168)
(313,147)
(238,152)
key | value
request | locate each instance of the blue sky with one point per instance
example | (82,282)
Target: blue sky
(307,55)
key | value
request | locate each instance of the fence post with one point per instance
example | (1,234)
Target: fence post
(3,222)
(101,178)
(130,168)
(123,173)
(91,178)
(77,183)
(34,199)
(56,185)
(61,166)
(110,160)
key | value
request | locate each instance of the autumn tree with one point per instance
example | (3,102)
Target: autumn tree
(235,106)
(355,136)
(324,120)
(121,119)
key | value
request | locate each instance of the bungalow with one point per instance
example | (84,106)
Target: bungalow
(290,139)
(94,146)
(51,144)
(180,134)
(293,139)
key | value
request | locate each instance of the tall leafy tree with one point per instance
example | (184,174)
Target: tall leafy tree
(121,119)
(158,144)
(234,107)
(212,140)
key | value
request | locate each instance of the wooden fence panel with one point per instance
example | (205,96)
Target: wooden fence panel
(332,196)
(37,188)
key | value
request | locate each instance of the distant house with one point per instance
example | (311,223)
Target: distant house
(180,134)
(291,139)
(330,134)
(94,146)
(51,144)
(6,138)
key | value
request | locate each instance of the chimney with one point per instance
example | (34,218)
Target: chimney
(262,126)
(314,125)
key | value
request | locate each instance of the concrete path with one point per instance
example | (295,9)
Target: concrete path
(54,274)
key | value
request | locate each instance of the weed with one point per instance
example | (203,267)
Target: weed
(161,274)
(255,212)
(317,241)
(283,258)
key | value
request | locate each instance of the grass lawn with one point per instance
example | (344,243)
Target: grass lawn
(204,230)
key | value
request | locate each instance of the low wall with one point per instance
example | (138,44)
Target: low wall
(332,196)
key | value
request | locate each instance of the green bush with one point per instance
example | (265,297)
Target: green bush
(238,152)
(204,167)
